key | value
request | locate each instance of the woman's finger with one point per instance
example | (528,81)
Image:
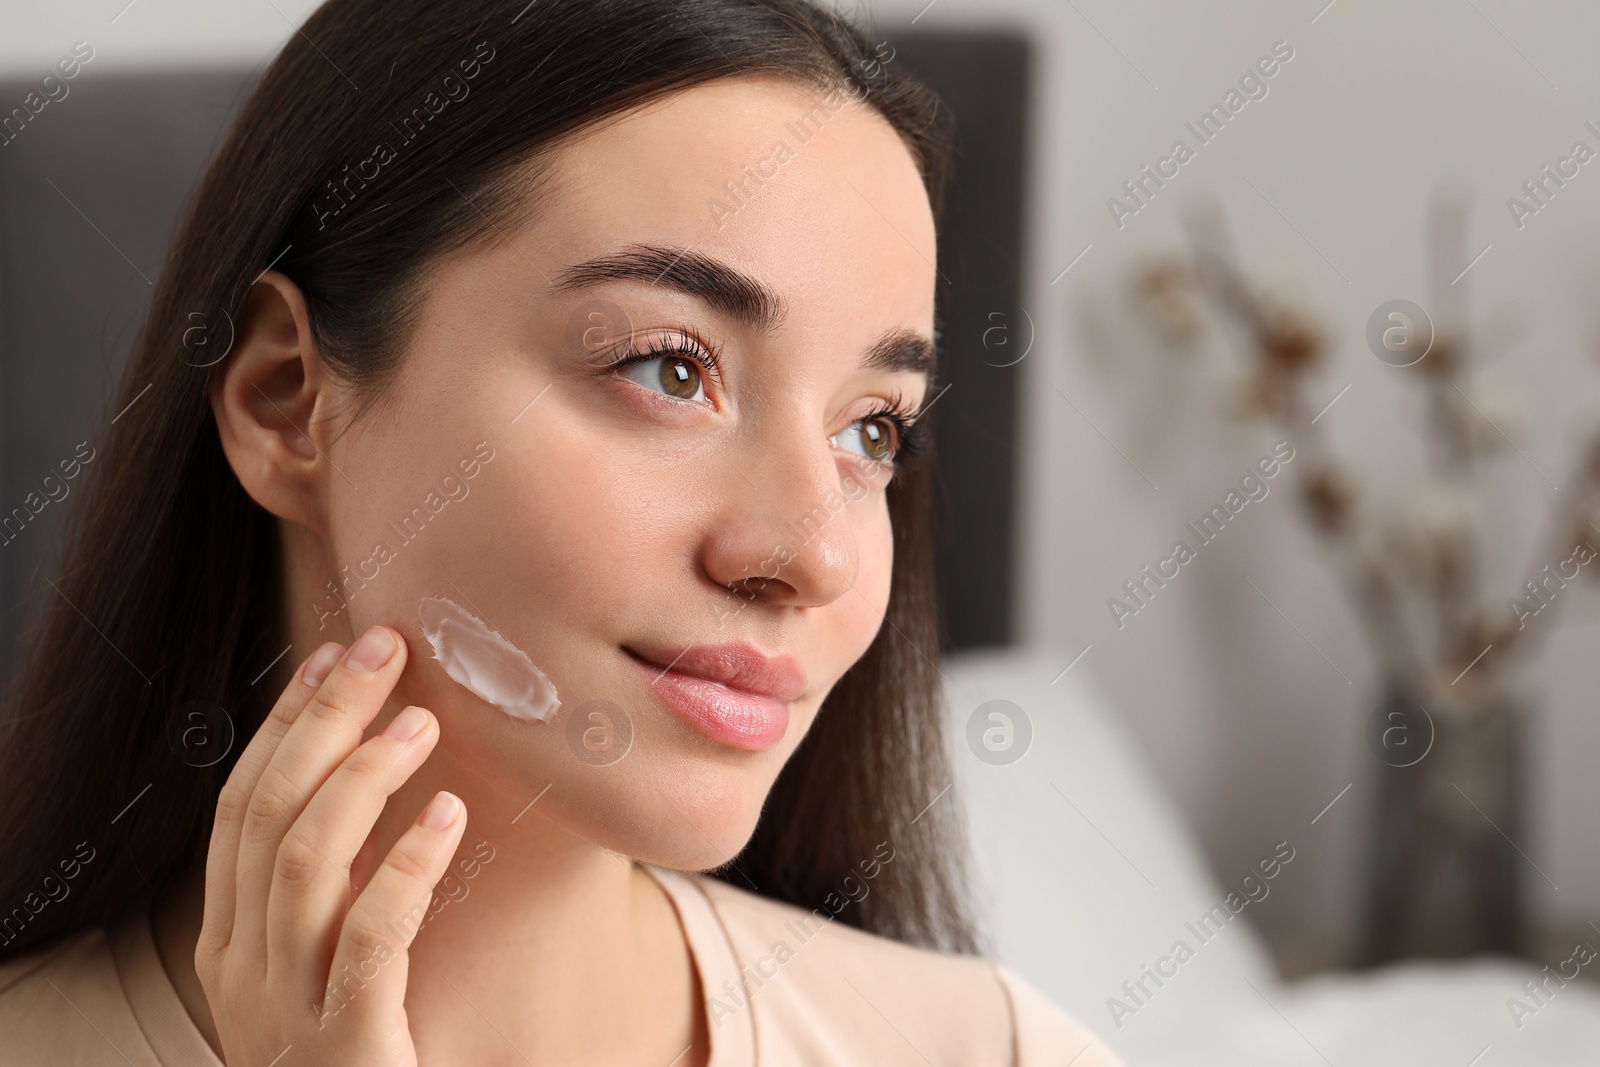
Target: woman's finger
(310,897)
(325,732)
(367,981)
(223,853)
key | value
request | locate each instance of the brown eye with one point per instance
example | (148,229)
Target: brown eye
(670,375)
(873,438)
(680,378)
(878,438)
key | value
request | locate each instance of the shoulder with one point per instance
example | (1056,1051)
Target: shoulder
(858,997)
(1044,1032)
(65,1004)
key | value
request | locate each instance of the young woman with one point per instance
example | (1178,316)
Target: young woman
(519,507)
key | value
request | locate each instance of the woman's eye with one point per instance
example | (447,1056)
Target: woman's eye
(672,375)
(872,438)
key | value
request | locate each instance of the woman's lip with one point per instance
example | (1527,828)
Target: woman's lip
(736,664)
(734,717)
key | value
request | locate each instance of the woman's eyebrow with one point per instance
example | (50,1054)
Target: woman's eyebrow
(725,289)
(731,292)
(901,350)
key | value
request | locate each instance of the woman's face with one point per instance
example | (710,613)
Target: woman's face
(602,519)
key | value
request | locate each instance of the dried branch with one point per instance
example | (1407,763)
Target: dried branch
(1286,347)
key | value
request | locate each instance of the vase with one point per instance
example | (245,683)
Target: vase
(1444,871)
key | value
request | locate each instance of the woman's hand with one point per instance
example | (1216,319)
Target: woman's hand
(299,968)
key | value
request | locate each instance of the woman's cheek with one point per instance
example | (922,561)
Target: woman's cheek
(875,548)
(590,524)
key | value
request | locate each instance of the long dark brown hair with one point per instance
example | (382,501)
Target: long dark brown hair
(169,596)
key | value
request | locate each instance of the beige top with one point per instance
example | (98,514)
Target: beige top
(781,986)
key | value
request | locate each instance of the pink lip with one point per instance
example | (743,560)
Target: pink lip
(731,693)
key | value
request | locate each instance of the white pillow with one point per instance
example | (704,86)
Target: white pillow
(1086,871)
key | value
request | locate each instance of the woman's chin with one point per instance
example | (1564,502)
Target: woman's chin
(677,820)
(665,809)
(683,856)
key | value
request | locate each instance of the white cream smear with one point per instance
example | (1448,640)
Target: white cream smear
(485,663)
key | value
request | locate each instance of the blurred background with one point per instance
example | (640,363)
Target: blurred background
(1129,331)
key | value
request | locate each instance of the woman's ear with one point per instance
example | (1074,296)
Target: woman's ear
(271,402)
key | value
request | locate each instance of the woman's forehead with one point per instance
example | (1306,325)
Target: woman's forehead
(758,173)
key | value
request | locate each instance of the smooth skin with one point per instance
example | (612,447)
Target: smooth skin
(613,514)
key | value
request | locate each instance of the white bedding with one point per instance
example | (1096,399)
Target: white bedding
(1090,878)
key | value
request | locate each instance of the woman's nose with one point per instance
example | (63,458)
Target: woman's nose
(782,534)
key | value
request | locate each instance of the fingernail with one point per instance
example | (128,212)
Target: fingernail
(321,663)
(376,647)
(440,814)
(407,724)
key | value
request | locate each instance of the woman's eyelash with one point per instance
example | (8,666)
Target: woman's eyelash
(682,343)
(910,436)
